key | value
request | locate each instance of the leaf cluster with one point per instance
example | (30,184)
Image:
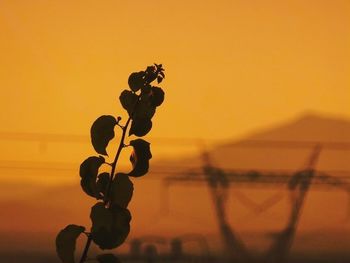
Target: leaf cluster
(113,191)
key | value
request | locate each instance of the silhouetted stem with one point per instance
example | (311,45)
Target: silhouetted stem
(86,249)
(114,164)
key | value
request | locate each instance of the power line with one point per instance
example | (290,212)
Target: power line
(336,145)
(43,137)
(74,138)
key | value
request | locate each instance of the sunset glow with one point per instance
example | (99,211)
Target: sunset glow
(236,71)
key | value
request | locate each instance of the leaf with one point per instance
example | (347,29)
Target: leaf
(146,89)
(102,131)
(140,157)
(144,110)
(102,183)
(121,190)
(136,80)
(157,96)
(101,217)
(88,173)
(159,79)
(128,100)
(140,127)
(65,242)
(151,74)
(107,258)
(136,108)
(110,226)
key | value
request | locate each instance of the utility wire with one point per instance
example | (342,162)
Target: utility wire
(74,138)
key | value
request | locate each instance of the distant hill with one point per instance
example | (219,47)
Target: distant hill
(309,127)
(248,153)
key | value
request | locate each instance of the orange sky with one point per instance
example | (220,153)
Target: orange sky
(231,66)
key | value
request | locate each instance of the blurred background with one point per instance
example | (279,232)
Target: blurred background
(251,147)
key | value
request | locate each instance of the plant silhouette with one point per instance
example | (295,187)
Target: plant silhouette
(110,216)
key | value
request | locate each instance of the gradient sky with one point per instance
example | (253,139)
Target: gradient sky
(231,66)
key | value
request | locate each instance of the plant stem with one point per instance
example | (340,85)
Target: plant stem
(86,249)
(114,164)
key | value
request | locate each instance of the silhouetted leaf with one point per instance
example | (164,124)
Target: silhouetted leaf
(157,96)
(151,74)
(128,100)
(65,242)
(140,157)
(110,226)
(146,89)
(159,79)
(107,258)
(121,190)
(140,127)
(136,80)
(102,131)
(102,183)
(101,217)
(88,173)
(144,110)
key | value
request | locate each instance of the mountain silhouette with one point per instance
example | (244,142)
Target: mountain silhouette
(262,151)
(308,127)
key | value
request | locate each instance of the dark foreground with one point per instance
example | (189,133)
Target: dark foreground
(26,257)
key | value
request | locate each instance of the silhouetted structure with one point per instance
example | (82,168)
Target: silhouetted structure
(298,184)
